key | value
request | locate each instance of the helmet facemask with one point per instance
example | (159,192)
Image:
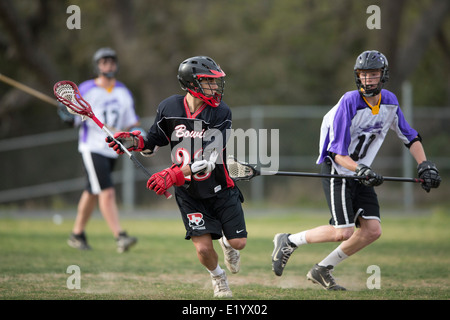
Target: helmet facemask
(366,85)
(110,74)
(208,89)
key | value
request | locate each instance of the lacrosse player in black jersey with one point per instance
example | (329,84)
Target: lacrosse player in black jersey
(197,126)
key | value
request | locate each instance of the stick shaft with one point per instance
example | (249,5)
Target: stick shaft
(28,90)
(323,175)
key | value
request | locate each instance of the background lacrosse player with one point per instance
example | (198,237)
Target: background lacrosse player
(196,126)
(114,105)
(351,134)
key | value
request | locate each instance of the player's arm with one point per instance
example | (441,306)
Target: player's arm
(345,161)
(418,152)
(372,178)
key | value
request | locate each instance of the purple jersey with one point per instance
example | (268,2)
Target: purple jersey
(350,128)
(191,135)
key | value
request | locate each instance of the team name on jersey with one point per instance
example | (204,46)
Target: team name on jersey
(181,132)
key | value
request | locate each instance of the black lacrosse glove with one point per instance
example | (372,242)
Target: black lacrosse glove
(65,115)
(372,178)
(428,172)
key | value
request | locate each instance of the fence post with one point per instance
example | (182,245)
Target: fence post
(257,122)
(407,108)
(128,172)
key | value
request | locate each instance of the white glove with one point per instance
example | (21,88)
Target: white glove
(205,166)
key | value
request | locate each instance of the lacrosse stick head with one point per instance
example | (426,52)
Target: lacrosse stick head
(68,94)
(239,170)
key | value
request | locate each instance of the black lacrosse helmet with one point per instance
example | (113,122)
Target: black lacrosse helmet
(191,71)
(105,53)
(371,60)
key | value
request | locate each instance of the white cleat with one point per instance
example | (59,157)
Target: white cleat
(232,257)
(220,286)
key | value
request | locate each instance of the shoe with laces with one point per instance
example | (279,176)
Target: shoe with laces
(322,275)
(232,257)
(283,249)
(78,241)
(124,242)
(220,286)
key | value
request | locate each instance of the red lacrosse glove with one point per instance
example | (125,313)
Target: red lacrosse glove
(133,141)
(161,181)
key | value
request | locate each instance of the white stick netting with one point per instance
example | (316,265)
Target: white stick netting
(238,170)
(67,92)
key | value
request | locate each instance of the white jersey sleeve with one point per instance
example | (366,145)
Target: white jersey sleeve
(114,108)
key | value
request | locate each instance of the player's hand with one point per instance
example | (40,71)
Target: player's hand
(428,172)
(163,180)
(372,178)
(205,166)
(65,115)
(133,141)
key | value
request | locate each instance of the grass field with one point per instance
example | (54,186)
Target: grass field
(413,255)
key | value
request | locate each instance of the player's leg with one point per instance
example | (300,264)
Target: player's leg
(369,232)
(99,170)
(228,205)
(202,228)
(338,196)
(109,209)
(110,212)
(368,220)
(208,257)
(205,251)
(86,205)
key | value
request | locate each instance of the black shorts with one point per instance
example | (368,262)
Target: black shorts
(98,169)
(348,199)
(221,213)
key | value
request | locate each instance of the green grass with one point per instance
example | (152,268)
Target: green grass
(413,256)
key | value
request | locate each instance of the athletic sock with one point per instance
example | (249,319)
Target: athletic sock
(298,239)
(217,271)
(335,257)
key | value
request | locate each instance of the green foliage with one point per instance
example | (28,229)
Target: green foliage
(274,52)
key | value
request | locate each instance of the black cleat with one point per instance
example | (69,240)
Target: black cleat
(78,241)
(125,242)
(283,249)
(322,275)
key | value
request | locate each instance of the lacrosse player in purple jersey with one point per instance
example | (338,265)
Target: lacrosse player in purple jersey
(352,132)
(197,126)
(114,105)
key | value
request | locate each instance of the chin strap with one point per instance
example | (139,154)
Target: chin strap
(375,108)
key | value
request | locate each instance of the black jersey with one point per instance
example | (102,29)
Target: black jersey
(192,135)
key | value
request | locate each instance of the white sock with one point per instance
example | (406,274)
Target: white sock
(299,238)
(217,271)
(335,257)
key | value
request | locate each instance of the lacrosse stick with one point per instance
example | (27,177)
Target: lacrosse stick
(243,171)
(28,90)
(67,93)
